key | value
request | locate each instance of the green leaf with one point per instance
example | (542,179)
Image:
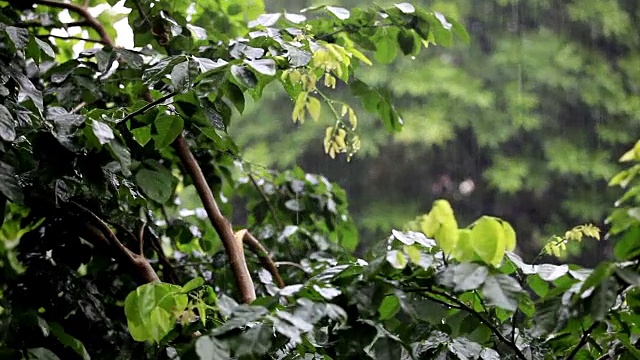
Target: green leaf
(121,154)
(464,348)
(180,77)
(340,12)
(406,8)
(193,284)
(549,272)
(152,310)
(397,259)
(210,348)
(7,125)
(156,183)
(409,42)
(142,135)
(9,185)
(244,76)
(263,66)
(386,48)
(42,354)
(603,298)
(168,128)
(441,225)
(44,46)
(235,94)
(502,291)
(628,246)
(19,36)
(314,108)
(601,273)
(487,240)
(256,341)
(67,340)
(412,237)
(464,277)
(389,307)
(102,131)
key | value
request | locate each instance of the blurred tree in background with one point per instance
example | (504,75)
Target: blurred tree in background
(529,117)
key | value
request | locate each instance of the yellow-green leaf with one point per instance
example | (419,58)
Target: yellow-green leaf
(314,108)
(487,240)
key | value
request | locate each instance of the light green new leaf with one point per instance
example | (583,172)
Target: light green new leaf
(193,284)
(142,134)
(152,310)
(389,307)
(488,240)
(441,225)
(314,108)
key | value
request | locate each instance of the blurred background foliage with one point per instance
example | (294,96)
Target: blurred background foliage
(526,122)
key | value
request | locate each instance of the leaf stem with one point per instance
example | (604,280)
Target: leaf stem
(477,315)
(583,340)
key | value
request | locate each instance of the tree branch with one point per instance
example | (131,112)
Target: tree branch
(37,24)
(262,254)
(71,38)
(80,10)
(482,319)
(147,107)
(102,231)
(583,340)
(232,246)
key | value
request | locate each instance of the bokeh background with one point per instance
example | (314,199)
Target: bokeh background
(526,122)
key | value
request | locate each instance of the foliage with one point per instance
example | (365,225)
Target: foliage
(533,112)
(117,171)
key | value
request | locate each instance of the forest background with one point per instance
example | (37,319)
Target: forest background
(526,122)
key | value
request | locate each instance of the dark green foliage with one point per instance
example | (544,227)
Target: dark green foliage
(97,200)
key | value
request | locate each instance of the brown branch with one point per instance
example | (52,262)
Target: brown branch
(232,246)
(44,36)
(37,24)
(583,340)
(101,231)
(82,11)
(458,304)
(262,254)
(222,226)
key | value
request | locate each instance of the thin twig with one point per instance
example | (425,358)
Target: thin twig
(147,107)
(290,263)
(583,340)
(78,107)
(272,209)
(479,316)
(33,24)
(262,254)
(143,227)
(92,21)
(44,36)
